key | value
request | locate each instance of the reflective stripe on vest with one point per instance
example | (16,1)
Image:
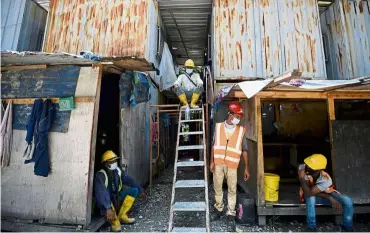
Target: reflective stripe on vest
(106,178)
(311,183)
(228,151)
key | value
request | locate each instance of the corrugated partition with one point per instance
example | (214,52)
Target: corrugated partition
(120,28)
(346,29)
(260,39)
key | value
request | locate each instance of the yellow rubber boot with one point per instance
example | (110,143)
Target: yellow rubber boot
(183,99)
(194,100)
(115,225)
(126,206)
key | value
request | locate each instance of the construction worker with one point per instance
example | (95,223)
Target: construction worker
(229,143)
(108,187)
(317,188)
(189,85)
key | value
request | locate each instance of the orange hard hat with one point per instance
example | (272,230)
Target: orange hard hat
(236,108)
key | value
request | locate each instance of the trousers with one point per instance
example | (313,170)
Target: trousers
(347,206)
(222,171)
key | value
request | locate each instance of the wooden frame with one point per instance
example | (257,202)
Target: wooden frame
(265,96)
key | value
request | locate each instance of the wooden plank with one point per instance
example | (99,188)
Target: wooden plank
(150,150)
(349,95)
(282,95)
(301,210)
(260,163)
(54,100)
(28,67)
(331,109)
(331,113)
(286,77)
(250,118)
(93,147)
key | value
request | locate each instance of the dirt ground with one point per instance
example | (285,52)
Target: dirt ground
(153,214)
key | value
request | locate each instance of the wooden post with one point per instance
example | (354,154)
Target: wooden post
(260,165)
(150,150)
(331,113)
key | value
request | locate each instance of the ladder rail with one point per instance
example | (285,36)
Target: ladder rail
(205,174)
(170,222)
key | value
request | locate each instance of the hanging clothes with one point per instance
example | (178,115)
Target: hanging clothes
(6,134)
(40,122)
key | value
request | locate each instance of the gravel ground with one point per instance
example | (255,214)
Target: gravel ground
(153,214)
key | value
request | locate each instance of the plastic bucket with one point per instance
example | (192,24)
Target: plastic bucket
(271,187)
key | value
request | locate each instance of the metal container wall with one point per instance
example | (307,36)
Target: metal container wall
(346,31)
(22,25)
(265,38)
(111,28)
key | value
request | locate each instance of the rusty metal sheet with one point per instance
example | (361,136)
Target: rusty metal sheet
(111,28)
(265,38)
(346,27)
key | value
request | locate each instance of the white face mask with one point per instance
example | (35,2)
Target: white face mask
(113,166)
(235,121)
(188,70)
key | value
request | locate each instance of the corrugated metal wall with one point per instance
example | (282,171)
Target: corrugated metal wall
(346,29)
(22,25)
(264,38)
(121,28)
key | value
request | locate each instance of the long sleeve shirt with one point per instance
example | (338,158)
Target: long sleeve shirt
(183,81)
(105,196)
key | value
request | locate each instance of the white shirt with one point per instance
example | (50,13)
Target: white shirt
(183,81)
(229,129)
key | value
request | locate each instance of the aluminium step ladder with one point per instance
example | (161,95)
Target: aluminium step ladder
(190,184)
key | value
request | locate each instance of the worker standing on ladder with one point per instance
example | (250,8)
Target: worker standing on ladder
(189,85)
(108,187)
(229,143)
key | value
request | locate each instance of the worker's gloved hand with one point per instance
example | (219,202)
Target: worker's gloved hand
(110,215)
(143,196)
(199,85)
(212,167)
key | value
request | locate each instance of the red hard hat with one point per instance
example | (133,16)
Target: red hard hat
(236,108)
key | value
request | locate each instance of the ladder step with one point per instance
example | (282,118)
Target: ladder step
(188,229)
(192,133)
(190,184)
(195,120)
(196,147)
(189,206)
(190,164)
(192,109)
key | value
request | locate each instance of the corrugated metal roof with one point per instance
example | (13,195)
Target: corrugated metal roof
(187,24)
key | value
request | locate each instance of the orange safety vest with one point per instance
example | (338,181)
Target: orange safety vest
(310,181)
(228,151)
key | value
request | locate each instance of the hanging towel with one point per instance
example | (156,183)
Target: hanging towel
(6,135)
(38,127)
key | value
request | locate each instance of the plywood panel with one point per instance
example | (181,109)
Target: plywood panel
(60,197)
(250,118)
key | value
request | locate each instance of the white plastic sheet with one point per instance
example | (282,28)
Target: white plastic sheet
(167,74)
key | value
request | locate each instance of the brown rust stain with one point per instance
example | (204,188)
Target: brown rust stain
(361,7)
(340,56)
(265,3)
(239,55)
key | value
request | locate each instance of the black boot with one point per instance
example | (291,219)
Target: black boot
(216,216)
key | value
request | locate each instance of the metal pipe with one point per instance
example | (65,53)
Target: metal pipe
(165,105)
(169,110)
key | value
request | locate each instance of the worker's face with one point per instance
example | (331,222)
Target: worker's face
(235,118)
(111,165)
(310,172)
(189,70)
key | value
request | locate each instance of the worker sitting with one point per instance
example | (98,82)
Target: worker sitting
(108,187)
(189,85)
(317,188)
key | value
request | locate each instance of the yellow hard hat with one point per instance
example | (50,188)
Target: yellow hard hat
(109,156)
(316,162)
(189,63)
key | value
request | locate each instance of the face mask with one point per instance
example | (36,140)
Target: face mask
(189,71)
(235,121)
(112,166)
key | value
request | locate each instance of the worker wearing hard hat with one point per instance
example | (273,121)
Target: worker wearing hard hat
(229,144)
(317,188)
(189,85)
(108,187)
